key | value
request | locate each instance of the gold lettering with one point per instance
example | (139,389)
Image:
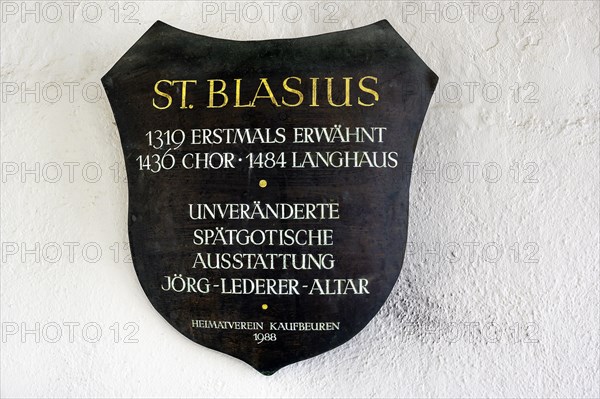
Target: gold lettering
(162,94)
(346,102)
(292,90)
(368,90)
(184,92)
(314,92)
(237,96)
(212,92)
(265,82)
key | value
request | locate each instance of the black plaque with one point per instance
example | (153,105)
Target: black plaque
(269,182)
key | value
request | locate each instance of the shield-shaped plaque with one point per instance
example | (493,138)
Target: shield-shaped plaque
(269,182)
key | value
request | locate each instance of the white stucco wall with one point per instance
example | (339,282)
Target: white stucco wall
(499,295)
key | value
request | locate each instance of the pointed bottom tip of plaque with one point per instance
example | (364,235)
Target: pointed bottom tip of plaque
(267,372)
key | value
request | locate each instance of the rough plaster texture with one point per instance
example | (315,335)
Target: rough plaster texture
(464,320)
